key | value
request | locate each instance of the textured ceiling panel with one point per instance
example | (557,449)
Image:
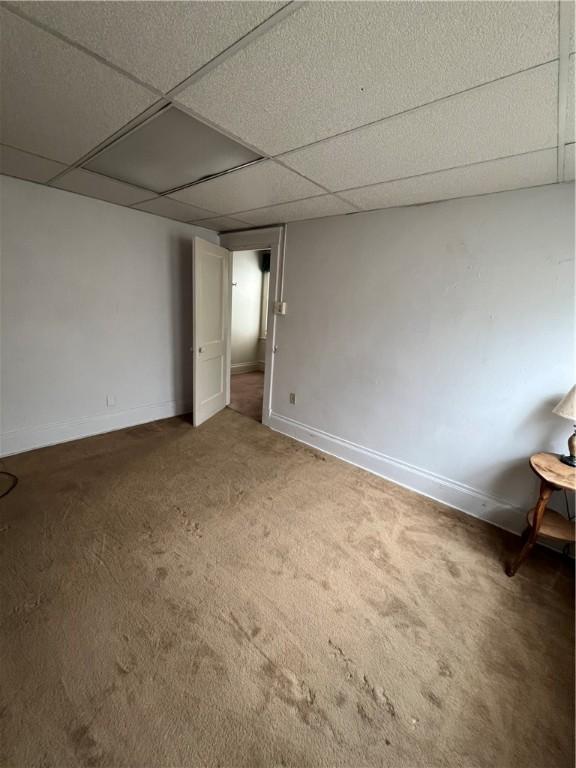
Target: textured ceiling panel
(315,207)
(95,185)
(222,224)
(13,162)
(515,115)
(262,184)
(494,176)
(570,113)
(168,151)
(57,101)
(160,43)
(171,209)
(568,10)
(332,66)
(569,161)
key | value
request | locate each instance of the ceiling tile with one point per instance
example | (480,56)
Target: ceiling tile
(222,224)
(304,79)
(55,100)
(96,185)
(570,114)
(518,114)
(170,150)
(262,184)
(13,162)
(313,208)
(569,161)
(171,209)
(493,176)
(160,43)
(568,10)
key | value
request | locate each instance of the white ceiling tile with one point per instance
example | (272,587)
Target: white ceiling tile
(569,162)
(95,185)
(570,114)
(222,223)
(13,162)
(172,209)
(313,208)
(568,12)
(55,100)
(160,43)
(333,66)
(518,114)
(258,185)
(493,176)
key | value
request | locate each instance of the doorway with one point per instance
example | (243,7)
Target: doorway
(249,326)
(212,321)
(266,239)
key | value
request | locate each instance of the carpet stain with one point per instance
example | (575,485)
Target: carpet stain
(161,574)
(121,668)
(444,669)
(340,699)
(396,609)
(86,747)
(433,699)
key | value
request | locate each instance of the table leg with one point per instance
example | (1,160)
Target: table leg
(531,532)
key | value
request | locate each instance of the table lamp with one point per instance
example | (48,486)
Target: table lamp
(567,408)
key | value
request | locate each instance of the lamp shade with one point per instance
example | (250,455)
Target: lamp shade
(567,406)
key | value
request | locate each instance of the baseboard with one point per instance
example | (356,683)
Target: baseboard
(245,367)
(29,438)
(449,492)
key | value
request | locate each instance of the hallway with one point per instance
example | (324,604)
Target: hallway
(246,393)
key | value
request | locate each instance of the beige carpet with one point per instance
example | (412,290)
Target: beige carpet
(227,597)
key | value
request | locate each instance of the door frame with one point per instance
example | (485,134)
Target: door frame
(273,238)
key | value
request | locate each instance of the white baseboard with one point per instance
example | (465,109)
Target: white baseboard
(449,492)
(29,438)
(245,367)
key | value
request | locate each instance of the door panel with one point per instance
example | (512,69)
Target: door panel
(211,332)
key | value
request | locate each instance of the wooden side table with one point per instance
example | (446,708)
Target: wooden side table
(554,476)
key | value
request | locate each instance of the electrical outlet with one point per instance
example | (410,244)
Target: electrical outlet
(110,401)
(292,398)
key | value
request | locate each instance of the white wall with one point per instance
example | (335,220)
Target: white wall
(246,310)
(430,343)
(96,301)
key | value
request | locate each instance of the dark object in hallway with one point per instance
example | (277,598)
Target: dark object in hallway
(246,393)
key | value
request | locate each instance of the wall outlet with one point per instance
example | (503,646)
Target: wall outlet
(292,398)
(110,401)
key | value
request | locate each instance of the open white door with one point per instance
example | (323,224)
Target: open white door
(211,331)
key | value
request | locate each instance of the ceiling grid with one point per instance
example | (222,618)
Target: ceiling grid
(319,129)
(565,81)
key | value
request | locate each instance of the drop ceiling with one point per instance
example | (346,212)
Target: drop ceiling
(239,114)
